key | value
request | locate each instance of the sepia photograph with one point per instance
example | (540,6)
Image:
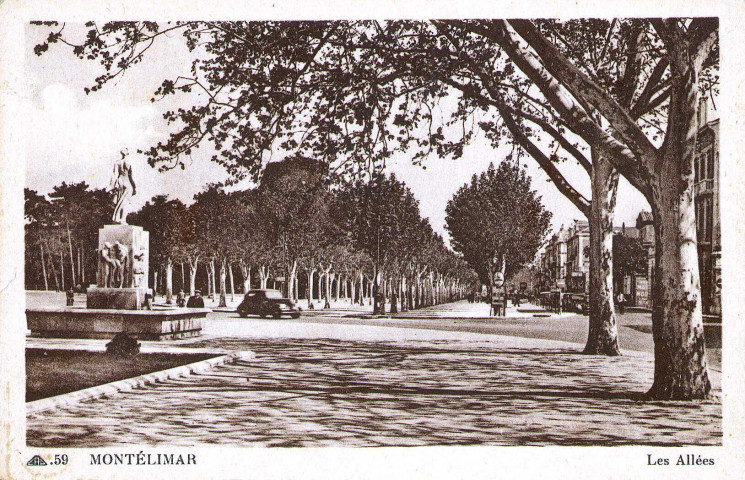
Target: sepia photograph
(352,233)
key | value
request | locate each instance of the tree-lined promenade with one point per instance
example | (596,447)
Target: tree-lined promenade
(617,97)
(294,231)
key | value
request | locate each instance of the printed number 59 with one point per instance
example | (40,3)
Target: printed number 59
(60,460)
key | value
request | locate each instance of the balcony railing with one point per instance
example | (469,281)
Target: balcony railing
(703,187)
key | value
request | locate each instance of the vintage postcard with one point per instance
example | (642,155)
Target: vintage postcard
(371,240)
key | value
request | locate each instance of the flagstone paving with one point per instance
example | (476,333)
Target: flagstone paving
(478,389)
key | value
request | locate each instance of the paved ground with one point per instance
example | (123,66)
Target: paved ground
(346,382)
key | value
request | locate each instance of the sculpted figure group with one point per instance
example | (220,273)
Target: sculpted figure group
(113,263)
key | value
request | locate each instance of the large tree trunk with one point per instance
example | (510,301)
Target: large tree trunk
(232,282)
(395,288)
(263,276)
(352,291)
(43,267)
(223,284)
(246,272)
(62,269)
(290,281)
(327,296)
(362,289)
(378,294)
(319,286)
(213,279)
(677,326)
(309,288)
(602,338)
(79,256)
(169,281)
(193,276)
(72,257)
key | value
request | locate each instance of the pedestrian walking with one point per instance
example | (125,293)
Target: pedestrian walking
(621,302)
(70,295)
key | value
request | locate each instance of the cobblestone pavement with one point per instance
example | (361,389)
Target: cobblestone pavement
(484,389)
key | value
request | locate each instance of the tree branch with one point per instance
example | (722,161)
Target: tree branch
(582,87)
(575,118)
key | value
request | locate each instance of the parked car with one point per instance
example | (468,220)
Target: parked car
(265,303)
(576,302)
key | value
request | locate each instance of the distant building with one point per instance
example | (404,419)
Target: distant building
(578,257)
(634,285)
(557,258)
(708,221)
(565,263)
(527,280)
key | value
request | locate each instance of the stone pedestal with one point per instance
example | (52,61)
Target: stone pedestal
(122,268)
(116,298)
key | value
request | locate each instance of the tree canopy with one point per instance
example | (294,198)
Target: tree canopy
(497,217)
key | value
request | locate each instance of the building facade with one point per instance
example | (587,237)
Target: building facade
(578,258)
(708,221)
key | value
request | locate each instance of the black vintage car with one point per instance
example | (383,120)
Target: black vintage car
(265,303)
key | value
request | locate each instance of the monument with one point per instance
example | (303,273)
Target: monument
(116,303)
(122,250)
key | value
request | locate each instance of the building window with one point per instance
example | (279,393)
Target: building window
(710,164)
(704,165)
(704,218)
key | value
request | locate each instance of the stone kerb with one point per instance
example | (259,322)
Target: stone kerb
(130,384)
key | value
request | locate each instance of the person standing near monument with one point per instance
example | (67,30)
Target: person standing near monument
(181,299)
(123,186)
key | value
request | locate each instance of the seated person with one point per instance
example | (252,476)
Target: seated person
(196,300)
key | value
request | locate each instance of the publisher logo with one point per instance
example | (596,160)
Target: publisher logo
(36,461)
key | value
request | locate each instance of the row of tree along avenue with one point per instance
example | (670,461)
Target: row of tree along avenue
(294,231)
(617,97)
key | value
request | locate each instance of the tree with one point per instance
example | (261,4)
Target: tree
(678,55)
(352,93)
(63,230)
(294,199)
(380,217)
(37,228)
(497,221)
(629,257)
(221,222)
(166,222)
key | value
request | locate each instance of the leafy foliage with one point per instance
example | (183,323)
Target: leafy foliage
(67,219)
(497,216)
(629,256)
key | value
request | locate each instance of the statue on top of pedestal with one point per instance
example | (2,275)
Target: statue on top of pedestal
(123,186)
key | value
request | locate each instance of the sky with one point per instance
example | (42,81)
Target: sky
(76,137)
